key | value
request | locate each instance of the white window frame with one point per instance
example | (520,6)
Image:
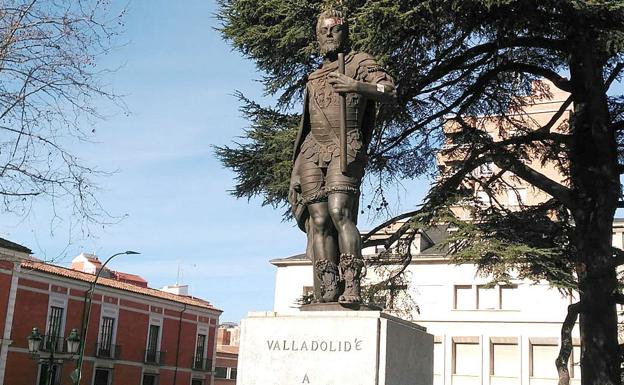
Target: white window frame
(202,330)
(511,341)
(56,301)
(485,169)
(57,376)
(110,374)
(474,340)
(157,321)
(109,312)
(540,341)
(470,287)
(150,373)
(517,196)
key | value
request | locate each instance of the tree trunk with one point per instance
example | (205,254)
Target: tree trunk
(595,182)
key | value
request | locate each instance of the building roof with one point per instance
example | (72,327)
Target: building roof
(91,258)
(86,277)
(128,277)
(436,234)
(14,246)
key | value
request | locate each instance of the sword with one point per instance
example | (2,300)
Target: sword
(343,119)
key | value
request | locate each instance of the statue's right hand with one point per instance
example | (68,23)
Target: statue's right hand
(294,190)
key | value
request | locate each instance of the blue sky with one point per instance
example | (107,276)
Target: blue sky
(178,77)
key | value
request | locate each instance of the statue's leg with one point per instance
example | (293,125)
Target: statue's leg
(343,192)
(351,263)
(310,254)
(325,255)
(340,207)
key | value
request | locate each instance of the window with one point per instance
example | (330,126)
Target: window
(504,359)
(517,196)
(102,377)
(575,362)
(105,348)
(233,373)
(150,379)
(152,338)
(44,372)
(438,358)
(487,298)
(508,299)
(464,297)
(152,355)
(466,358)
(199,352)
(483,198)
(55,324)
(542,358)
(197,381)
(486,169)
(220,372)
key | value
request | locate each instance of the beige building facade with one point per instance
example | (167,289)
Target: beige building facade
(512,192)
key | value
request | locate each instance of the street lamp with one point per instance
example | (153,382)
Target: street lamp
(34,341)
(34,346)
(86,315)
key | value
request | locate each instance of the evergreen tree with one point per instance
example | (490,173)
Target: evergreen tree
(455,59)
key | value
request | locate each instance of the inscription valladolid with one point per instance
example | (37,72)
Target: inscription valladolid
(314,345)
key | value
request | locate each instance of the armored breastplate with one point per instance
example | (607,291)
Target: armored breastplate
(324,110)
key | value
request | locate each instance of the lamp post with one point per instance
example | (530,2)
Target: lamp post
(86,315)
(34,345)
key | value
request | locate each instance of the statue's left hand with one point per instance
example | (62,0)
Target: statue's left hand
(342,83)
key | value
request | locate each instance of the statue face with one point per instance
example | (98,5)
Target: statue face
(331,35)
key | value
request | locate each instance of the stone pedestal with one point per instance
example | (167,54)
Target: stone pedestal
(333,348)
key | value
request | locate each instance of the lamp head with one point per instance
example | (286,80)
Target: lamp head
(73,342)
(34,341)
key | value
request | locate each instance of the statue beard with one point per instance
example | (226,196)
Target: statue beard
(331,48)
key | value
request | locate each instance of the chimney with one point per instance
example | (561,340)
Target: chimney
(176,289)
(86,263)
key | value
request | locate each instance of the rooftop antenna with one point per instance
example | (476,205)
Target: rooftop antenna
(179,275)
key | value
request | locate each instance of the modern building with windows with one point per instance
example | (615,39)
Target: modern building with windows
(136,334)
(502,335)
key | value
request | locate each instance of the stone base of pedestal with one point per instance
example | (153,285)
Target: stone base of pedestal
(333,348)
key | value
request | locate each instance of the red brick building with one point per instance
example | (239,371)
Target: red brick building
(136,335)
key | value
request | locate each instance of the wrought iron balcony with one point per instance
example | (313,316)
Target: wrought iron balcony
(201,363)
(154,357)
(53,343)
(109,351)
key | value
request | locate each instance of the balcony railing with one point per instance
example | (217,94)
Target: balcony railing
(201,363)
(154,357)
(49,343)
(107,351)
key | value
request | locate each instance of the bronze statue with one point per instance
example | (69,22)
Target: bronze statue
(324,193)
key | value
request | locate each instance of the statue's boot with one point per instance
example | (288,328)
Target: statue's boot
(351,271)
(327,273)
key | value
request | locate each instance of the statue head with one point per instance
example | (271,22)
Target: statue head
(332,33)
